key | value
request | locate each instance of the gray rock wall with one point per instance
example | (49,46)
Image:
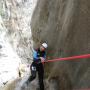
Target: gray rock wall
(9,60)
(16,15)
(15,37)
(65,26)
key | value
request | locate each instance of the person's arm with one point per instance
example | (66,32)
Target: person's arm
(43,58)
(35,54)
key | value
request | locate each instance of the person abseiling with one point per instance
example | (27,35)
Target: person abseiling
(39,55)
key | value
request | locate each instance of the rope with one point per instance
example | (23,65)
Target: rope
(69,58)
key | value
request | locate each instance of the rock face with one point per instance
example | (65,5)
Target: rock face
(9,60)
(65,26)
(15,36)
(16,15)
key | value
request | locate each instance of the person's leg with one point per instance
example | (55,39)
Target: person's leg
(40,76)
(33,73)
(32,77)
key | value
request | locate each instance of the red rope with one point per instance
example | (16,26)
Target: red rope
(70,58)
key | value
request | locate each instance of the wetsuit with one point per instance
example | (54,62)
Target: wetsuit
(37,66)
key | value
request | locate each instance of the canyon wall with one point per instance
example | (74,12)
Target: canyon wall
(15,37)
(65,26)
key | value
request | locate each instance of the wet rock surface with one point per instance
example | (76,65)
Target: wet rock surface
(15,37)
(64,25)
